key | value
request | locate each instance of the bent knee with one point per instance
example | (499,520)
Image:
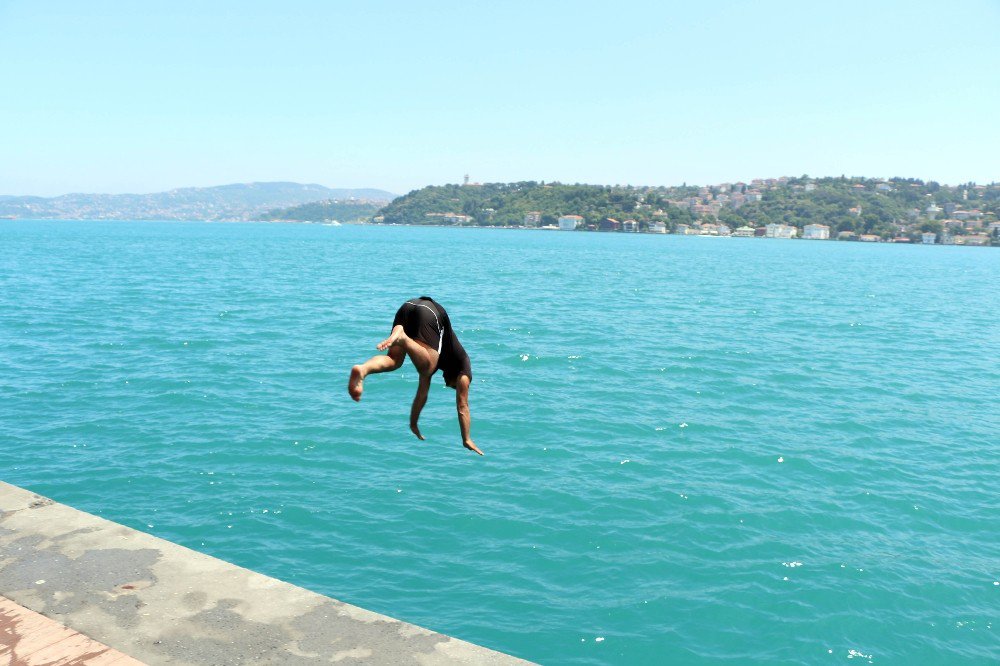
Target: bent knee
(398,355)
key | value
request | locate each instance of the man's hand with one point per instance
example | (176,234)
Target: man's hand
(416,431)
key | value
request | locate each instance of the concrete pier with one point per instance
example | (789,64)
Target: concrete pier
(162,603)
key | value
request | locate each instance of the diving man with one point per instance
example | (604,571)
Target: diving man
(422,331)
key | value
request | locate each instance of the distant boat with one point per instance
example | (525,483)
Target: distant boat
(332,223)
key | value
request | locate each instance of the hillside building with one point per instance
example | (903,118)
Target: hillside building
(975,239)
(816,232)
(774,230)
(569,222)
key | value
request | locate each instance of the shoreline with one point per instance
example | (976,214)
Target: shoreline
(496,227)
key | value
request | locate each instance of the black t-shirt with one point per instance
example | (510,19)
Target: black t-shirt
(453,360)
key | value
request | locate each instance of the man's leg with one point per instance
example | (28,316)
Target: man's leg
(381,363)
(424,359)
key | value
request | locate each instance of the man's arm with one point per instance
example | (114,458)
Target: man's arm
(419,400)
(464,416)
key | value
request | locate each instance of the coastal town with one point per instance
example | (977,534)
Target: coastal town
(710,202)
(982,236)
(856,209)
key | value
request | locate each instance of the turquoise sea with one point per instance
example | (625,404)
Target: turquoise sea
(698,450)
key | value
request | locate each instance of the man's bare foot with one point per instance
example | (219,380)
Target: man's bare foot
(356,384)
(472,447)
(397,336)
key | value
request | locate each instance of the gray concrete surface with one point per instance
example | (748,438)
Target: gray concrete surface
(166,604)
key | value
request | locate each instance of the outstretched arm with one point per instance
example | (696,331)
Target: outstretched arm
(464,416)
(419,400)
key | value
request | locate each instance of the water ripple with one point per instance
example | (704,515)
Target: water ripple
(697,451)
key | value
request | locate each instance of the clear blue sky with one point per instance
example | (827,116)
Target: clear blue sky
(126,96)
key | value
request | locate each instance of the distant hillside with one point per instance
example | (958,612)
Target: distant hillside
(884,207)
(506,204)
(243,201)
(342,210)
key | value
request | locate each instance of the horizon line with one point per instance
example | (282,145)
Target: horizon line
(547,182)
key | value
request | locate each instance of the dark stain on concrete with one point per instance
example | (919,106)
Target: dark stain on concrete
(219,635)
(194,601)
(69,535)
(317,637)
(94,577)
(39,502)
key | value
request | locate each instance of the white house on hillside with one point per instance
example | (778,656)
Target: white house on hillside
(816,232)
(779,231)
(569,222)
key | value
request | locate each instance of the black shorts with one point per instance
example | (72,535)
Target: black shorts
(420,321)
